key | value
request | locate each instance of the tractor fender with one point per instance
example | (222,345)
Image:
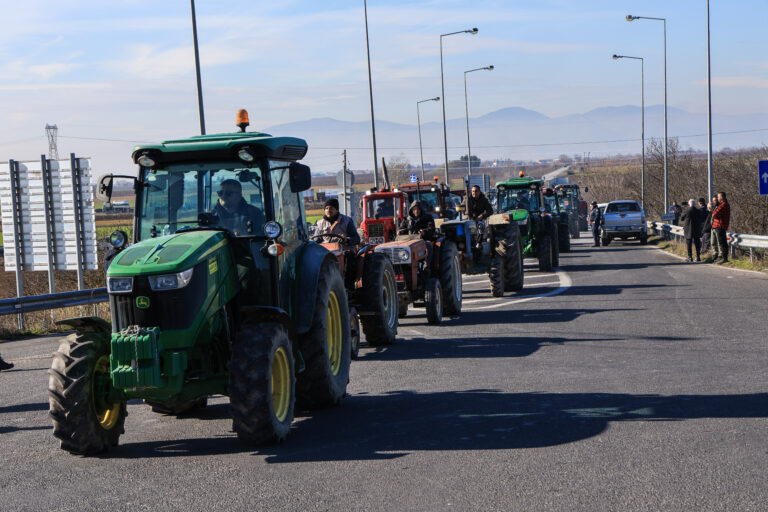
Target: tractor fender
(85,324)
(304,284)
(268,314)
(499,218)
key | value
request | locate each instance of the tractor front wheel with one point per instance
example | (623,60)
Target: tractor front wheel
(326,346)
(433,299)
(85,419)
(545,254)
(514,277)
(262,383)
(450,278)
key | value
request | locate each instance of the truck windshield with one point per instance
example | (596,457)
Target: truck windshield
(173,198)
(622,208)
(517,199)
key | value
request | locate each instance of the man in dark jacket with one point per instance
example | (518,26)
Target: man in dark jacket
(691,218)
(706,229)
(335,222)
(418,222)
(234,213)
(595,221)
(478,206)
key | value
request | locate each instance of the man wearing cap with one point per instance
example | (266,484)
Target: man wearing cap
(334,222)
(595,221)
(235,213)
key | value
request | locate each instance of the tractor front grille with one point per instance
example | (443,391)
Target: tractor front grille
(168,310)
(376,230)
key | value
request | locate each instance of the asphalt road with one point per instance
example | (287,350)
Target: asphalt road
(627,380)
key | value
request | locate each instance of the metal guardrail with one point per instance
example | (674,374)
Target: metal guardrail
(52,301)
(739,240)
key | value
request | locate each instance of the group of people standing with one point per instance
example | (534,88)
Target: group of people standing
(706,224)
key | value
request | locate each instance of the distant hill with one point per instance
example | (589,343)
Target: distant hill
(520,134)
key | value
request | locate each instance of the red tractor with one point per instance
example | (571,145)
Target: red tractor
(369,278)
(382,213)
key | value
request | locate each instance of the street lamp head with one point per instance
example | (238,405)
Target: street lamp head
(436,98)
(631,18)
(615,57)
(490,68)
(473,31)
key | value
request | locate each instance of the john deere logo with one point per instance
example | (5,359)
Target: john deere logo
(142,302)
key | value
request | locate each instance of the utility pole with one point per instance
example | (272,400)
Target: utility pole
(344,182)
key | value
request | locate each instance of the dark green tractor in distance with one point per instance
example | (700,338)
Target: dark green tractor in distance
(522,198)
(560,218)
(570,201)
(222,292)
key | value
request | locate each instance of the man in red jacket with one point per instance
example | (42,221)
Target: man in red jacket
(721,218)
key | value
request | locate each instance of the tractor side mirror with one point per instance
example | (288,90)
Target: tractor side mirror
(299,177)
(461,208)
(104,189)
(586,189)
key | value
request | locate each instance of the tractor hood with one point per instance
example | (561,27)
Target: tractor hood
(167,254)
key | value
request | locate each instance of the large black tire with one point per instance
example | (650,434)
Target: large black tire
(433,299)
(450,278)
(77,388)
(564,243)
(262,383)
(555,245)
(354,333)
(380,307)
(644,240)
(545,254)
(177,409)
(513,261)
(496,276)
(326,346)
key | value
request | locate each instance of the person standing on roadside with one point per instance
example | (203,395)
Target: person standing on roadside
(721,219)
(5,365)
(706,229)
(691,218)
(675,210)
(595,221)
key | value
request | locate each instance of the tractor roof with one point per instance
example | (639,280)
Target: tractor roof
(224,146)
(521,182)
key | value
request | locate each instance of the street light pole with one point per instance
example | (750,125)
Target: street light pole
(466,110)
(197,71)
(642,117)
(442,86)
(418,121)
(710,167)
(370,95)
(666,173)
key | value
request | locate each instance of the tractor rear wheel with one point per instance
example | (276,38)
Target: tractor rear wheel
(262,383)
(555,246)
(84,419)
(326,346)
(565,238)
(450,278)
(545,254)
(513,261)
(379,300)
(433,298)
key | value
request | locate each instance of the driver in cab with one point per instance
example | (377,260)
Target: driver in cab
(336,223)
(234,213)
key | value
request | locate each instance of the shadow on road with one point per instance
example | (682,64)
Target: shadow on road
(388,426)
(592,267)
(40,406)
(611,289)
(503,346)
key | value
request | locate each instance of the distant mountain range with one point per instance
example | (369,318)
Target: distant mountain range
(522,134)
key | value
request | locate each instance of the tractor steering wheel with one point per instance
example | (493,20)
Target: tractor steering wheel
(342,238)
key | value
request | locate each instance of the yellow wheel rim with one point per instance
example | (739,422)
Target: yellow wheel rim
(281,384)
(335,335)
(108,416)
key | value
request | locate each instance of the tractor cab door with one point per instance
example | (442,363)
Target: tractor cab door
(288,210)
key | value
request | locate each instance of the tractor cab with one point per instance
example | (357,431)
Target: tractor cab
(435,197)
(382,213)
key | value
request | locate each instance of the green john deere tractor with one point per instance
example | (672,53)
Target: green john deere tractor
(222,292)
(523,199)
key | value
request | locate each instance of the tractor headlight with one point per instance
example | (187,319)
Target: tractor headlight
(402,255)
(522,222)
(171,281)
(120,284)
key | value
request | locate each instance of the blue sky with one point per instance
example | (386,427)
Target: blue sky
(123,69)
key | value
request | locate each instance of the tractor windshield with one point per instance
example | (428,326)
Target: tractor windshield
(382,208)
(174,198)
(428,198)
(517,199)
(568,199)
(550,203)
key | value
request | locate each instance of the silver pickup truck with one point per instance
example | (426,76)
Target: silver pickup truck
(624,219)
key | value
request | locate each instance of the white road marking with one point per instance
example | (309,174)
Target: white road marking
(565,283)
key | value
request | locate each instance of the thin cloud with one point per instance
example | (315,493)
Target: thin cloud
(756,82)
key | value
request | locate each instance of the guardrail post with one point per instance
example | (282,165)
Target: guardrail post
(18,228)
